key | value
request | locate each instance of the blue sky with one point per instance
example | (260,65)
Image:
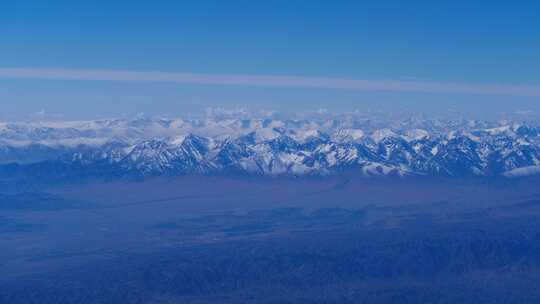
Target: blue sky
(484,43)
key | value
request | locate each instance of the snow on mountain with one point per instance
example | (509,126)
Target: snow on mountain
(525,171)
(379,135)
(348,135)
(278,146)
(499,130)
(416,134)
(265,134)
(303,136)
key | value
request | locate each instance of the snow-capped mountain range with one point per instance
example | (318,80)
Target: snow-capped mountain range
(275,146)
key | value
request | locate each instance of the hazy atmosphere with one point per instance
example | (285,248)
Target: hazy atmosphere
(107,59)
(269,152)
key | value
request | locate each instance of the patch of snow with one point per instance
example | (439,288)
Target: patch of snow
(416,134)
(524,171)
(379,135)
(266,134)
(177,140)
(498,130)
(348,135)
(304,135)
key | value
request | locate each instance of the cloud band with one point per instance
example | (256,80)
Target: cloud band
(269,81)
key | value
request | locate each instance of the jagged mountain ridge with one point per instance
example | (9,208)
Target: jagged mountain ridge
(270,146)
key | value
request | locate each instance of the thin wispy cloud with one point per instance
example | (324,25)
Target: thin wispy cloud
(270,81)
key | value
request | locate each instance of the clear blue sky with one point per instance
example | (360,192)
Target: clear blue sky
(465,42)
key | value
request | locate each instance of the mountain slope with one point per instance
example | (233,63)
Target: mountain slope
(152,147)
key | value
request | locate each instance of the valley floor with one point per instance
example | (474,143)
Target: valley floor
(234,240)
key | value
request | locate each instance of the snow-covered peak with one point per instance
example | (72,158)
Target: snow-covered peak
(416,134)
(177,140)
(265,134)
(379,135)
(267,145)
(305,135)
(499,130)
(348,135)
